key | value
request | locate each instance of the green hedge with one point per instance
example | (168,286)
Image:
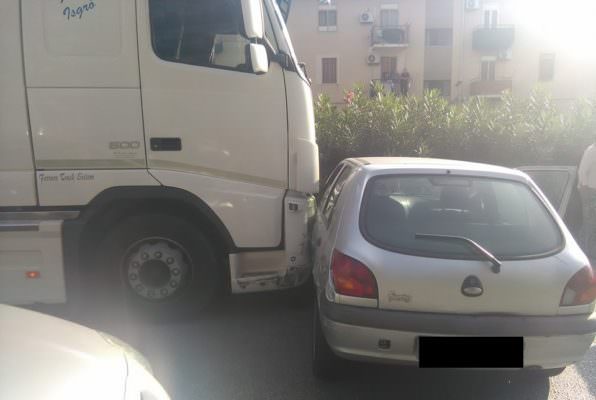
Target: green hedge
(511,131)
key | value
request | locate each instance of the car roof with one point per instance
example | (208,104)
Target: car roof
(376,165)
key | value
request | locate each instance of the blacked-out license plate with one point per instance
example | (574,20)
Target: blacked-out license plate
(470,352)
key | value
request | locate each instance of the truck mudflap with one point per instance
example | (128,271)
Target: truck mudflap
(278,269)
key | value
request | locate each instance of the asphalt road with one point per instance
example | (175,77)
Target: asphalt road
(258,347)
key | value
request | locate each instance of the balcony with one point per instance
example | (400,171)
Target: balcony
(390,36)
(490,88)
(493,38)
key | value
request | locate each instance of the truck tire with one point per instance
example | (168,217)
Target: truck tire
(325,363)
(164,267)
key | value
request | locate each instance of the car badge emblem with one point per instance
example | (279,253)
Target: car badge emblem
(472,287)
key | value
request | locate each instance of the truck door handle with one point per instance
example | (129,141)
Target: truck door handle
(166,144)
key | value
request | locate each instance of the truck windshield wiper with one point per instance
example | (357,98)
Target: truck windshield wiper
(496,268)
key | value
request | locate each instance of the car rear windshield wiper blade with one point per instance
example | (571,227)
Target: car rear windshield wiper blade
(472,244)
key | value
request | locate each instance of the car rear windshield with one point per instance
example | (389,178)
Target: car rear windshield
(505,217)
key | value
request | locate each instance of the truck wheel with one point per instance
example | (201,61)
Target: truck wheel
(165,266)
(325,364)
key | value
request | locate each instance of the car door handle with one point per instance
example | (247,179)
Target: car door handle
(166,144)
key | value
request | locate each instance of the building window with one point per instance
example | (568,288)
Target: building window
(546,70)
(444,87)
(439,37)
(329,68)
(218,43)
(328,20)
(487,72)
(388,68)
(389,17)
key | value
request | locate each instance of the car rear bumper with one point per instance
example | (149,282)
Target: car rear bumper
(354,333)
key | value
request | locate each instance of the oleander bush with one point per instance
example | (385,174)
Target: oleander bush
(512,131)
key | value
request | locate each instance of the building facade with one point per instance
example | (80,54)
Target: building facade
(461,47)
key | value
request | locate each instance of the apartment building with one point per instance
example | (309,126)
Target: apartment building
(461,47)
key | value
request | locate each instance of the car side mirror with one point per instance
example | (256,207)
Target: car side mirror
(252,12)
(258,58)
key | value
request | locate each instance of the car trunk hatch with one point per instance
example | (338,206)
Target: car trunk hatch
(528,287)
(435,236)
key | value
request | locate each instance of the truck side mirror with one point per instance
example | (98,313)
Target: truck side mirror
(304,70)
(252,12)
(258,58)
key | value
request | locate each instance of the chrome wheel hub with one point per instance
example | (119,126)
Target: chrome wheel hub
(156,268)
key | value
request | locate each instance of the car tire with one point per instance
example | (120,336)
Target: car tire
(542,373)
(325,363)
(161,267)
(552,372)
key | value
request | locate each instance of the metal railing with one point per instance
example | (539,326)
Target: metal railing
(397,35)
(490,88)
(493,37)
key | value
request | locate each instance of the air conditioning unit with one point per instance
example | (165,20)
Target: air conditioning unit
(472,5)
(366,17)
(373,59)
(505,55)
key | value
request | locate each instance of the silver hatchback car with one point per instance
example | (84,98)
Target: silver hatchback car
(446,263)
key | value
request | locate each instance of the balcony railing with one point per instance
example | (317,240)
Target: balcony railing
(490,88)
(390,36)
(493,38)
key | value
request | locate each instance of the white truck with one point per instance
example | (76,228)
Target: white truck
(156,148)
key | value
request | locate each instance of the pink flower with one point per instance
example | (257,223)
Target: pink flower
(349,97)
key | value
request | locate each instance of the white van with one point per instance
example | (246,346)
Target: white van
(158,146)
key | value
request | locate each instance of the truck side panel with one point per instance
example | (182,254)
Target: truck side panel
(31,260)
(17,182)
(83,84)
(79,187)
(87,128)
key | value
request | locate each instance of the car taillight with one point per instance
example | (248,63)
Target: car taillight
(581,288)
(352,278)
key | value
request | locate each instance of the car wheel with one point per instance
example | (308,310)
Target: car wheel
(542,373)
(325,363)
(551,372)
(164,266)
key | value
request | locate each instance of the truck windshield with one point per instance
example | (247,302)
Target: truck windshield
(504,217)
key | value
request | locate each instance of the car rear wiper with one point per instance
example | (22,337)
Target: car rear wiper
(496,268)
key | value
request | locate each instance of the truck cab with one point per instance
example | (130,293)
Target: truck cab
(159,147)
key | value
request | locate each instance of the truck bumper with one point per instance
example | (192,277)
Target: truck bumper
(258,271)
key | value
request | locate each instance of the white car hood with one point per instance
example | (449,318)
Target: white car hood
(42,357)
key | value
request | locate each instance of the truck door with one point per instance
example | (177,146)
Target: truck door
(17,177)
(208,114)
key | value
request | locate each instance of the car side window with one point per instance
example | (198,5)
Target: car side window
(328,184)
(200,32)
(335,193)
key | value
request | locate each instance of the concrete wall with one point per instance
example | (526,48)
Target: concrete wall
(575,71)
(573,46)
(351,43)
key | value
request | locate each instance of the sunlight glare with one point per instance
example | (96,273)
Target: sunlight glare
(564,27)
